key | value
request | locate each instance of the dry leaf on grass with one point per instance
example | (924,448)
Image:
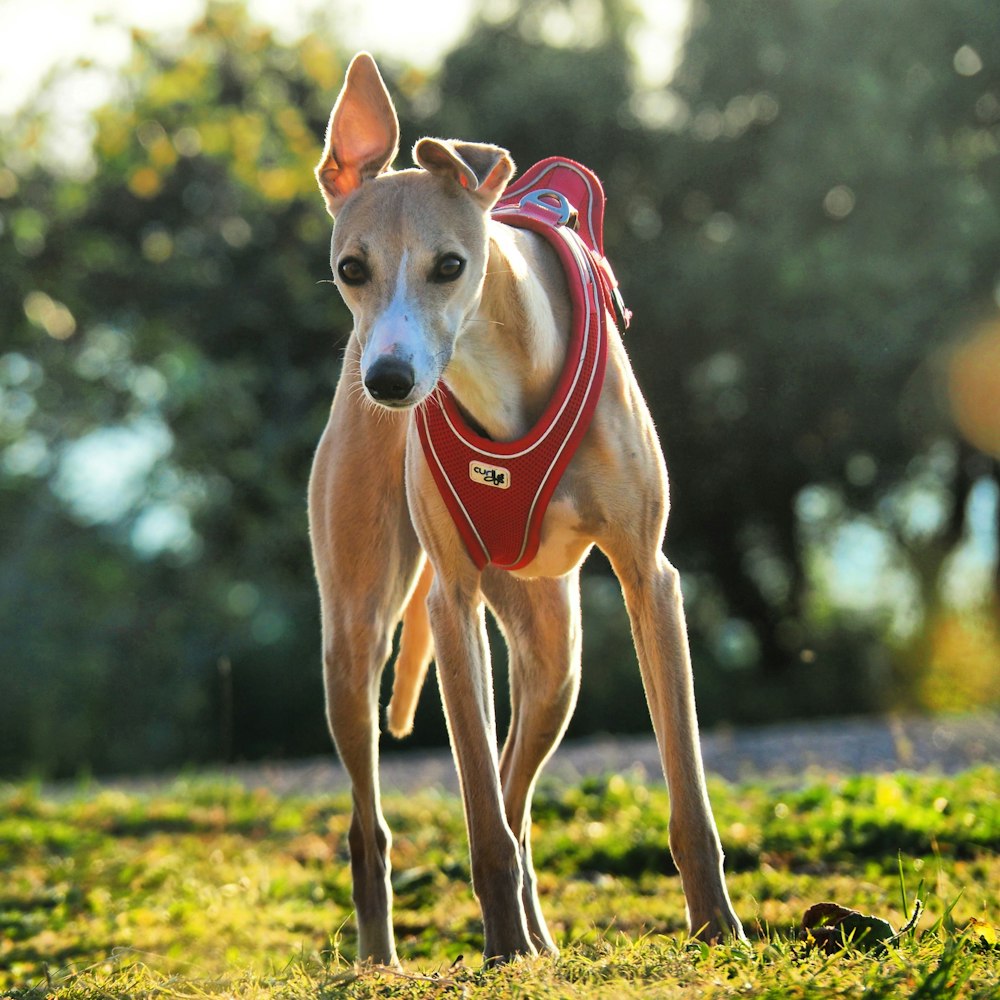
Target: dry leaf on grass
(832,928)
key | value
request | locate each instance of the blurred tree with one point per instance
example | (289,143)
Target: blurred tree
(829,217)
(173,358)
(801,223)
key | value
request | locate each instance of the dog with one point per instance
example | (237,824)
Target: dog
(441,294)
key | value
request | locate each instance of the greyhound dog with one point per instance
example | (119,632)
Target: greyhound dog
(441,292)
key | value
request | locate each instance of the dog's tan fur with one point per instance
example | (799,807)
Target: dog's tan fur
(498,336)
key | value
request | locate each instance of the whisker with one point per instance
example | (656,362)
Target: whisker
(358,395)
(434,395)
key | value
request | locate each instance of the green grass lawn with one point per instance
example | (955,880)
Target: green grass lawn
(208,889)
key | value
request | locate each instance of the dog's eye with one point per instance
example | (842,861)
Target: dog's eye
(448,268)
(352,271)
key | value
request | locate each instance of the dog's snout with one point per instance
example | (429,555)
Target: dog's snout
(389,380)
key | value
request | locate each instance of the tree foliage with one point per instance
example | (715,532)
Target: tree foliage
(803,223)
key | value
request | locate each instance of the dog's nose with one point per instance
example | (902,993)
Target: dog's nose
(389,379)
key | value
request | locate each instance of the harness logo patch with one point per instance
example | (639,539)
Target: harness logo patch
(489,475)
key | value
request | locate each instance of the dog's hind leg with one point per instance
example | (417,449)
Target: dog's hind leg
(541,623)
(367,556)
(653,597)
(631,536)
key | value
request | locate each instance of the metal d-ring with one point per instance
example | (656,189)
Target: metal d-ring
(544,198)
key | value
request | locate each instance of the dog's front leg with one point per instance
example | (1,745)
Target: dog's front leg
(458,623)
(456,609)
(541,623)
(366,555)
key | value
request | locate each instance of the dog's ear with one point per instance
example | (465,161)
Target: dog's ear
(362,138)
(484,170)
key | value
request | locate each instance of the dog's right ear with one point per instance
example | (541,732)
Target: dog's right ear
(362,138)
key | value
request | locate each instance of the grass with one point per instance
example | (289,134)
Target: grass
(212,890)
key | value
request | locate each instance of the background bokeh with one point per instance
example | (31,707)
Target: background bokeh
(804,216)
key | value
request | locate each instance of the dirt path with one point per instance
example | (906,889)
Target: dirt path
(843,746)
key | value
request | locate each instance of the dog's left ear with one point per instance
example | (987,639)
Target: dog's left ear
(482,169)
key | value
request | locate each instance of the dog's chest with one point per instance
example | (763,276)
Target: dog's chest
(563,544)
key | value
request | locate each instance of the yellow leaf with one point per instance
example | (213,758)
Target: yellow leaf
(986,933)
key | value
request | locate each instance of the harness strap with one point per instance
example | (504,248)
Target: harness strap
(497,492)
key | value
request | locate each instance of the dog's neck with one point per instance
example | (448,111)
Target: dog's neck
(509,356)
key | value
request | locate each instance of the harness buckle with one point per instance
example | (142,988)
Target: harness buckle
(552,201)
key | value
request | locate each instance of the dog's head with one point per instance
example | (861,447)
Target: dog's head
(409,247)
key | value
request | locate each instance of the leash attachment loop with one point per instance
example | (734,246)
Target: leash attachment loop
(552,201)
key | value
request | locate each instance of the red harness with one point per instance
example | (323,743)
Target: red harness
(498,491)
